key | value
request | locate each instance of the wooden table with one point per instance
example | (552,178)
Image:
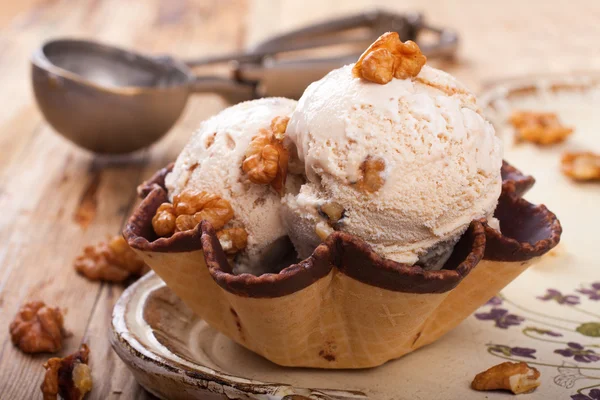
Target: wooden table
(45,181)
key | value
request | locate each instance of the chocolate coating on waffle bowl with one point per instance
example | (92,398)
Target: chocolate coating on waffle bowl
(514,181)
(527,231)
(156,180)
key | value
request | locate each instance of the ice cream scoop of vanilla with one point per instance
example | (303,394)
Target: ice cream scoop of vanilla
(442,162)
(211,161)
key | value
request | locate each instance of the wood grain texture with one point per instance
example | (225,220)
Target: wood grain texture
(45,182)
(57,198)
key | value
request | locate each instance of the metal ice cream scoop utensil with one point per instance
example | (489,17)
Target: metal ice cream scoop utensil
(110,100)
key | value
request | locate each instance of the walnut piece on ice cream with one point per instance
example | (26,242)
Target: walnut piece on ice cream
(516,377)
(266,160)
(203,206)
(371,179)
(163,221)
(581,166)
(69,377)
(190,207)
(37,328)
(389,58)
(332,211)
(114,261)
(233,240)
(542,128)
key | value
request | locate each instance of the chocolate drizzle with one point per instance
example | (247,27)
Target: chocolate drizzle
(527,231)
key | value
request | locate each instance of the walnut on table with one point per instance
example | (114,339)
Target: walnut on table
(69,377)
(266,161)
(581,166)
(114,261)
(389,58)
(38,328)
(516,377)
(542,128)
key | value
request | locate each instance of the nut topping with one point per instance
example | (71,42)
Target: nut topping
(185,223)
(332,211)
(516,377)
(191,207)
(267,158)
(389,58)
(37,328)
(323,230)
(69,377)
(163,221)
(372,175)
(202,206)
(581,166)
(542,128)
(233,240)
(112,262)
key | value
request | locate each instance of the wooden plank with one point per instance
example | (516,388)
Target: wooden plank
(114,380)
(45,180)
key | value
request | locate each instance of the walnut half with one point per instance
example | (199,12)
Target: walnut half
(516,377)
(389,58)
(266,160)
(190,207)
(69,377)
(114,261)
(542,128)
(37,328)
(581,166)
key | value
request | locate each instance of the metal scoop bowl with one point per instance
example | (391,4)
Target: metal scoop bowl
(111,100)
(105,99)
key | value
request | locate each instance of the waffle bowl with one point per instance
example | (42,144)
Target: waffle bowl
(344,306)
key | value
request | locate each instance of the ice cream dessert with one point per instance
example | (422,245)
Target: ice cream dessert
(405,165)
(211,163)
(386,178)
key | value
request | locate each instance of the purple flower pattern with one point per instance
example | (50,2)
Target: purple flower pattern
(494,301)
(579,353)
(553,294)
(594,394)
(501,316)
(503,319)
(593,292)
(508,351)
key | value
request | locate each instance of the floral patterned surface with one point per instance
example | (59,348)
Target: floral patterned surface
(575,358)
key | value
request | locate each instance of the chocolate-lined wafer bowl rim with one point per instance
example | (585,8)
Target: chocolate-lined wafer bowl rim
(351,255)
(514,181)
(502,247)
